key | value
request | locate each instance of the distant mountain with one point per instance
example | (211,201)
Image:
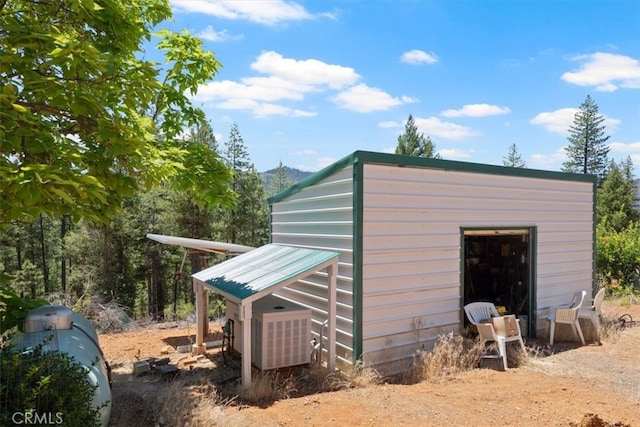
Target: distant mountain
(295,175)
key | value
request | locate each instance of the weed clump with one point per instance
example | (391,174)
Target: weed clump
(451,354)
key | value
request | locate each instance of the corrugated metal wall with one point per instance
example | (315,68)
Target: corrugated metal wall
(411,246)
(321,216)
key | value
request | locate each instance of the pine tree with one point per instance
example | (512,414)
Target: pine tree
(587,151)
(513,158)
(617,196)
(279,180)
(412,143)
(247,222)
(204,134)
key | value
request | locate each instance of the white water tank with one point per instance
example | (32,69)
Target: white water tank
(58,328)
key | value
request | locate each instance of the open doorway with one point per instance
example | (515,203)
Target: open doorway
(497,268)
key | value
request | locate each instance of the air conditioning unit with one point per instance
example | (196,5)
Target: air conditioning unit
(280,332)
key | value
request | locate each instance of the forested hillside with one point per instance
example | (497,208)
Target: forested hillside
(271,178)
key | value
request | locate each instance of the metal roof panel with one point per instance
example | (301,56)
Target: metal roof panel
(263,269)
(202,245)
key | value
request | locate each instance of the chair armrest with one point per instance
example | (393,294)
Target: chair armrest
(553,308)
(506,326)
(486,331)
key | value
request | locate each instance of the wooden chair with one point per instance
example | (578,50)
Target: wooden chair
(567,315)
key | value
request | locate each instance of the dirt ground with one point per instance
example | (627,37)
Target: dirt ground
(587,386)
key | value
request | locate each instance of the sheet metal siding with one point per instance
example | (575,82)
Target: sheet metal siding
(321,216)
(411,245)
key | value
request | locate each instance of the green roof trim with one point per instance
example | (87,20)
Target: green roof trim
(358,291)
(421,162)
(257,273)
(312,179)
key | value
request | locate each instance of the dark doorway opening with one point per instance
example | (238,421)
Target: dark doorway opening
(497,269)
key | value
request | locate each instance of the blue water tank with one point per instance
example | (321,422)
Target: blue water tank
(58,328)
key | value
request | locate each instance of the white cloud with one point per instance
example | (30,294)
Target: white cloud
(275,87)
(454,153)
(271,12)
(307,72)
(556,121)
(409,99)
(264,110)
(476,110)
(436,128)
(418,57)
(291,79)
(308,152)
(261,89)
(611,124)
(559,121)
(364,99)
(390,124)
(318,164)
(217,36)
(286,79)
(549,161)
(606,72)
(621,147)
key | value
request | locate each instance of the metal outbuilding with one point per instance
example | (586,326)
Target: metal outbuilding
(419,238)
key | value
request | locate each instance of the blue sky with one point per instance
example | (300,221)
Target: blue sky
(309,82)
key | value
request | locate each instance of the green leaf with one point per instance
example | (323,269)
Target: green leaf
(19,108)
(61,194)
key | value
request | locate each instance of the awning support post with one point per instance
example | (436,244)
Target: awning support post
(245,319)
(202,321)
(331,312)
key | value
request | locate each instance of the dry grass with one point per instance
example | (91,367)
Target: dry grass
(267,386)
(451,354)
(353,376)
(190,403)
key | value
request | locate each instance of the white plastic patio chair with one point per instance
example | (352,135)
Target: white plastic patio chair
(481,315)
(567,315)
(593,312)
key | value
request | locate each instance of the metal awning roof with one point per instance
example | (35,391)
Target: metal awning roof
(252,275)
(202,245)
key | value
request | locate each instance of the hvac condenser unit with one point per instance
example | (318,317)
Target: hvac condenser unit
(280,332)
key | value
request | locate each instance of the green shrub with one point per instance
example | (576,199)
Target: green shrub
(184,309)
(618,258)
(39,384)
(13,309)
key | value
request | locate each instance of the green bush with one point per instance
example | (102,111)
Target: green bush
(618,258)
(46,386)
(13,308)
(184,309)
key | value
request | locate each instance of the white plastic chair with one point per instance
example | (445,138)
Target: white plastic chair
(481,315)
(567,315)
(593,312)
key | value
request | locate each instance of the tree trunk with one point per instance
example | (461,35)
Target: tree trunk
(156,286)
(195,267)
(43,254)
(63,257)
